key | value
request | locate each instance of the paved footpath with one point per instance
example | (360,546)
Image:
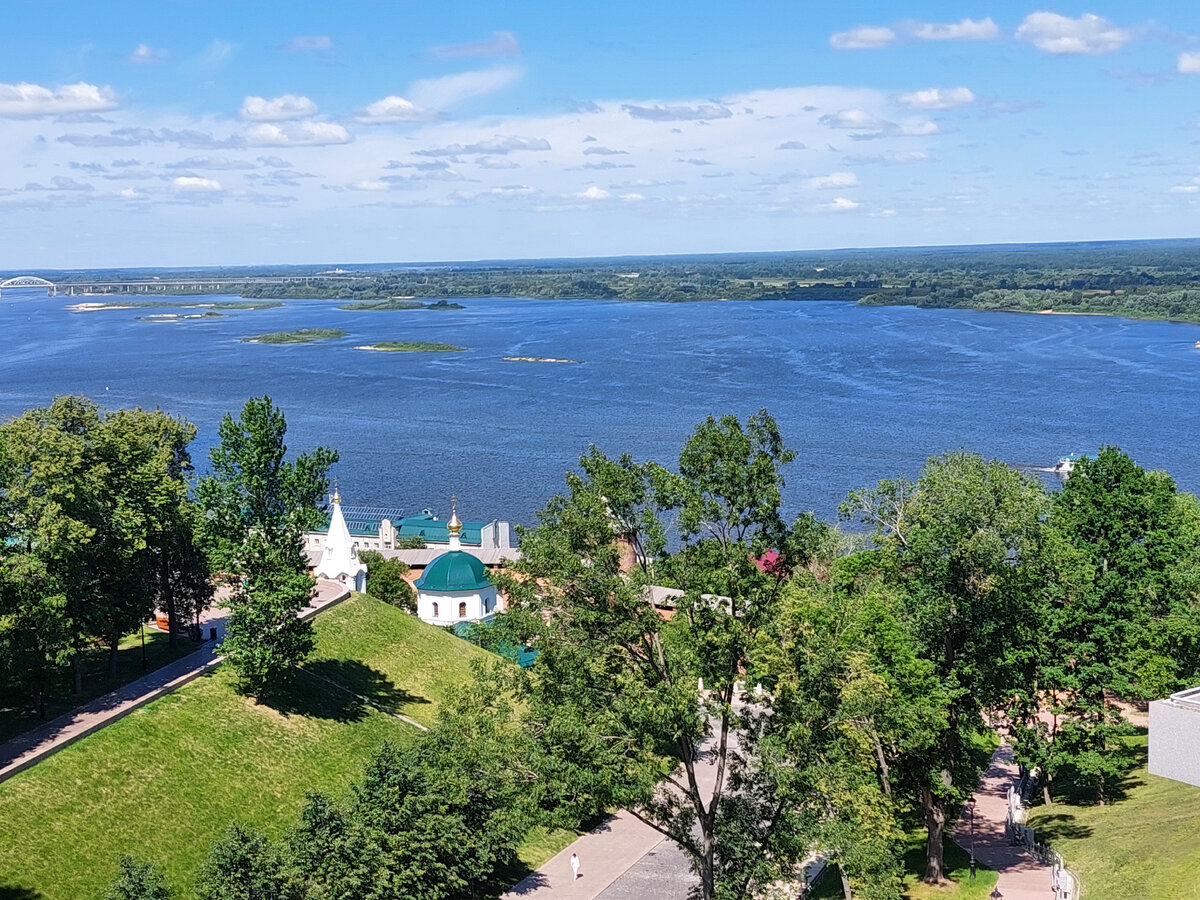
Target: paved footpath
(33,746)
(1022,876)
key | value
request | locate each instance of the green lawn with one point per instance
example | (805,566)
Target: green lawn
(961,886)
(1145,846)
(17,717)
(165,781)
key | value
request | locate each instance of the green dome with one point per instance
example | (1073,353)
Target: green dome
(454,571)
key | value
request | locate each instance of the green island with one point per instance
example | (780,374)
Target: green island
(393,303)
(301,336)
(411,347)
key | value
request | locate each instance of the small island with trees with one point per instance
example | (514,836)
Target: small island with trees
(411,347)
(300,336)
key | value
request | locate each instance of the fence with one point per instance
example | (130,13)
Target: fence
(1063,882)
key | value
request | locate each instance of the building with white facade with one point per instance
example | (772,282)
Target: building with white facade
(455,586)
(339,553)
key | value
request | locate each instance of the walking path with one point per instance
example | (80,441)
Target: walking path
(1022,876)
(35,745)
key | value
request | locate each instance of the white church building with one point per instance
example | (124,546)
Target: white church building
(339,556)
(455,586)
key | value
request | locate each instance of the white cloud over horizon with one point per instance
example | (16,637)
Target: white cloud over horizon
(963,30)
(31,101)
(937,98)
(1089,34)
(277,109)
(864,37)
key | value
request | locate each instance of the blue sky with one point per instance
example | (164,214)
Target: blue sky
(180,133)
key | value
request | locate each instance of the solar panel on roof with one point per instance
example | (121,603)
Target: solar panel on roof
(367,513)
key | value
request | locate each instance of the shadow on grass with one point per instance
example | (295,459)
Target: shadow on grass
(1078,789)
(340,690)
(1061,826)
(13,892)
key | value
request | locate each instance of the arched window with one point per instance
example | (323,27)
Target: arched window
(435,610)
(462,610)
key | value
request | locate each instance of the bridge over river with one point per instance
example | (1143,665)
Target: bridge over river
(193,284)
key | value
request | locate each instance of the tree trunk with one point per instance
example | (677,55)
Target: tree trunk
(884,772)
(77,672)
(935,825)
(847,894)
(164,583)
(708,886)
(113,645)
(1046,793)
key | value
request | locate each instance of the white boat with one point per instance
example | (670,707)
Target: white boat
(1066,464)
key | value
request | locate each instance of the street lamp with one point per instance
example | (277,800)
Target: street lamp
(971,810)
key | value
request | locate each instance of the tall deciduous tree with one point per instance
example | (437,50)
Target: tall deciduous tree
(965,545)
(634,709)
(256,505)
(138,881)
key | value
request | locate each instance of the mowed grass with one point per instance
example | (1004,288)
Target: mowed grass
(166,781)
(958,870)
(1145,846)
(17,716)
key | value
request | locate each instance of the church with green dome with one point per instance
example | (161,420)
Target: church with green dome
(455,586)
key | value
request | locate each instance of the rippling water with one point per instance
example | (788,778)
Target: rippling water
(862,393)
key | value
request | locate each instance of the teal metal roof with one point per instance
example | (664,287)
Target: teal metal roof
(454,571)
(434,530)
(365,521)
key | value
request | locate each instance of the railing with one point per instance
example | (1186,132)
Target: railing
(1063,882)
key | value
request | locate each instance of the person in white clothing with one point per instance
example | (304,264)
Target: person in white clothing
(574,866)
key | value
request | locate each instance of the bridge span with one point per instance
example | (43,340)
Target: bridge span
(168,285)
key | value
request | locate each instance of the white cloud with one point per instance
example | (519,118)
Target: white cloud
(701,113)
(853,119)
(393,109)
(449,90)
(297,134)
(371,185)
(1189,63)
(31,101)
(193,183)
(633,197)
(277,109)
(890,158)
(1185,189)
(916,128)
(594,193)
(497,144)
(964,30)
(1090,34)
(792,145)
(501,43)
(864,37)
(937,98)
(310,43)
(834,180)
(147,55)
(842,204)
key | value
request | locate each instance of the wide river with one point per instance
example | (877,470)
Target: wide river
(861,393)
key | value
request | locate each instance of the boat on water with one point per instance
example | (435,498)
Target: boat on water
(1066,464)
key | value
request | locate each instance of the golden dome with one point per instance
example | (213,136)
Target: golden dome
(454,526)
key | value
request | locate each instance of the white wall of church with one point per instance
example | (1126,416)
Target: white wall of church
(452,607)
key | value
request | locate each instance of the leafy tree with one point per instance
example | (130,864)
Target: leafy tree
(264,637)
(256,506)
(252,488)
(1130,630)
(625,703)
(138,881)
(448,810)
(244,864)
(966,548)
(332,853)
(386,581)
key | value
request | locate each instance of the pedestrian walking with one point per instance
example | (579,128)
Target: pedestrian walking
(574,866)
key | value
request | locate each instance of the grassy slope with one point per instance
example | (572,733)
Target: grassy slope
(16,717)
(165,781)
(1145,846)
